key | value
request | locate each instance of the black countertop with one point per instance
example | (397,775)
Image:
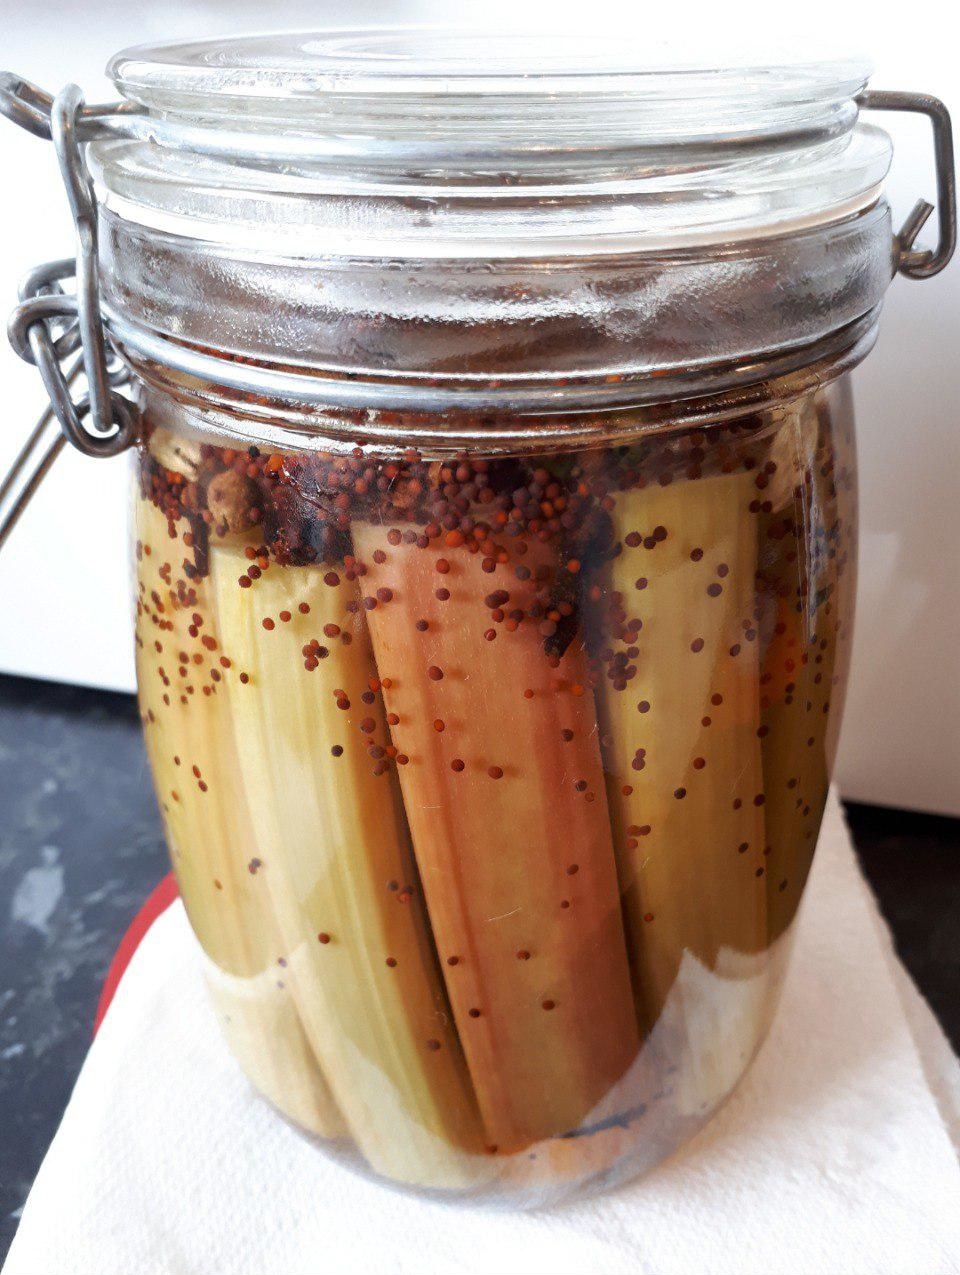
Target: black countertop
(81,847)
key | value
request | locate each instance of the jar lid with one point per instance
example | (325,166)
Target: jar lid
(622,145)
(281,68)
(457,82)
(414,216)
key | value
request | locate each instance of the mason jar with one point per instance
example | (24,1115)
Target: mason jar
(495,538)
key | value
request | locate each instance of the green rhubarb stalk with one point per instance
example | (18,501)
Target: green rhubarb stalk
(335,862)
(807,578)
(189,736)
(680,717)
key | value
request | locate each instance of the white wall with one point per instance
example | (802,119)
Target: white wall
(64,593)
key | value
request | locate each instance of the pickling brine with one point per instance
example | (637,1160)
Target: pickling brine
(492,782)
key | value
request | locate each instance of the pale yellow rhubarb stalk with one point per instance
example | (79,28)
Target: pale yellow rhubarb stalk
(190,742)
(683,756)
(337,868)
(504,794)
(260,1022)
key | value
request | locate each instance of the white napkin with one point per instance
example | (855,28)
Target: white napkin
(835,1155)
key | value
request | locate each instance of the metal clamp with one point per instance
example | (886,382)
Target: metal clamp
(921,263)
(103,422)
(50,325)
(44,330)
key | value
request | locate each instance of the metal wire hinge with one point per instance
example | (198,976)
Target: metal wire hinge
(50,324)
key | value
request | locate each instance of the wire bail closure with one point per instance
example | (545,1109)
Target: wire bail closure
(50,325)
(920,263)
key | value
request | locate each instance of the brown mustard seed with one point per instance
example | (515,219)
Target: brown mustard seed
(495,772)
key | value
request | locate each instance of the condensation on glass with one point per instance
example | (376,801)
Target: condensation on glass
(495,519)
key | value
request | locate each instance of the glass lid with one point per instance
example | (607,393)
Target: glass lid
(431,60)
(385,207)
(512,142)
(465,80)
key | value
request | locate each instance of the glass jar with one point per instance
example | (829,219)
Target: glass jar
(495,513)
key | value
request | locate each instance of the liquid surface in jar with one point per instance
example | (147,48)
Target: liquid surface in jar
(492,784)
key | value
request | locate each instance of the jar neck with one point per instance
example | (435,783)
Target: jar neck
(226,413)
(448,335)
